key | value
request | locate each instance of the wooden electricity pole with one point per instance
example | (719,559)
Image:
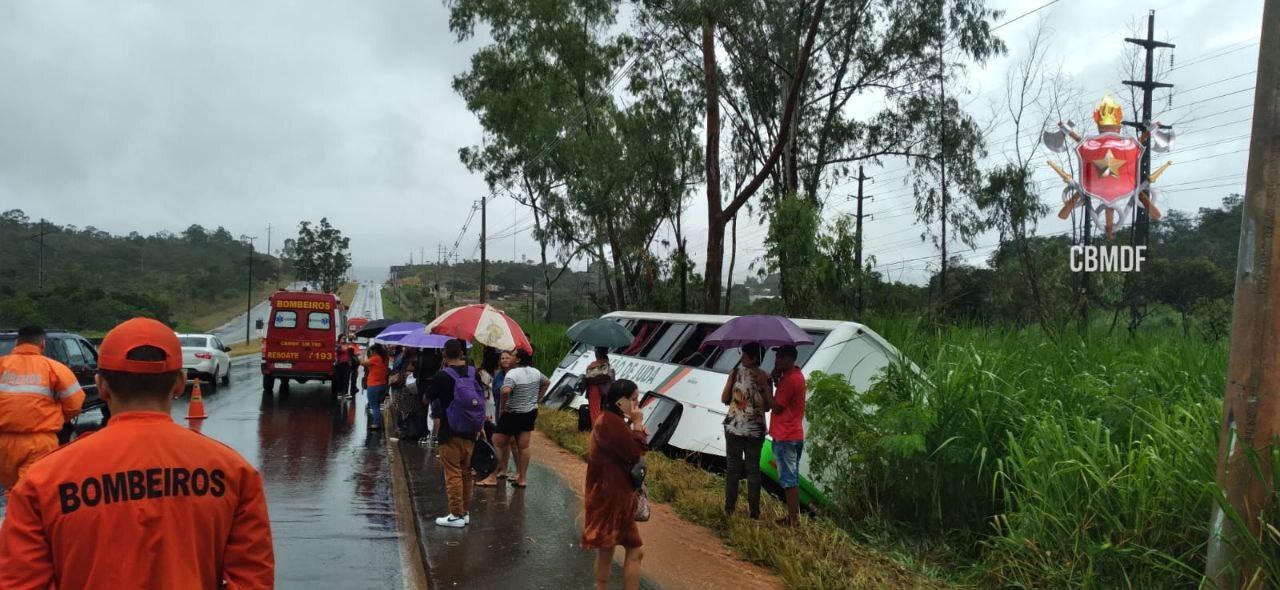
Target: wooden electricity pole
(857,253)
(484,251)
(1251,408)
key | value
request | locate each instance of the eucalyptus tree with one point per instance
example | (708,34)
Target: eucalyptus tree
(809,90)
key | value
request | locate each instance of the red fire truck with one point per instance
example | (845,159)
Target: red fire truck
(302,335)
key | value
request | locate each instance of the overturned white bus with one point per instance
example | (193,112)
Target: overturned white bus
(683,378)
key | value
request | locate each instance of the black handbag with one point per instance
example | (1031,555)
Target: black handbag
(638,473)
(484,459)
(584,418)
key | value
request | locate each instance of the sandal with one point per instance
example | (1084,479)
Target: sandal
(519,485)
(484,484)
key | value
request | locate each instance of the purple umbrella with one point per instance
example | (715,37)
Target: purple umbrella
(419,339)
(399,330)
(768,330)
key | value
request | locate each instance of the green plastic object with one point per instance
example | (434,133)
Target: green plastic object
(809,493)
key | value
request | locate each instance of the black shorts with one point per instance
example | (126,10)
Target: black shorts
(513,423)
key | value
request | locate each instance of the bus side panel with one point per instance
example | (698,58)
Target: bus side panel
(701,427)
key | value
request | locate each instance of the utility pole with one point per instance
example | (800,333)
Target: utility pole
(1251,405)
(857,256)
(39,239)
(248,306)
(1084,274)
(484,251)
(1141,223)
(269,254)
(1140,229)
(942,157)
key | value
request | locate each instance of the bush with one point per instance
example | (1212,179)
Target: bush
(1054,463)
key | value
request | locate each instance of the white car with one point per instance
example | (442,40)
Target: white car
(204,357)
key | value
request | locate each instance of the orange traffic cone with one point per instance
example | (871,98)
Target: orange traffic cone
(195,410)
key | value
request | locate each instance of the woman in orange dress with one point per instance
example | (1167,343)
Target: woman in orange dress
(617,444)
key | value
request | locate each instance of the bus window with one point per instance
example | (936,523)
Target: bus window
(692,352)
(803,352)
(665,340)
(726,360)
(318,320)
(643,331)
(574,353)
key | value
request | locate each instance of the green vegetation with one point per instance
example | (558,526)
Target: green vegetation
(1010,459)
(817,555)
(320,254)
(1038,462)
(391,309)
(94,280)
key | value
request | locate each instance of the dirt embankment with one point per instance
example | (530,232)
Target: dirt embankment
(678,554)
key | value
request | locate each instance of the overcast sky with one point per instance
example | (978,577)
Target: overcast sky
(156,115)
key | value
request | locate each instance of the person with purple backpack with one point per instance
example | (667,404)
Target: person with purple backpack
(460,394)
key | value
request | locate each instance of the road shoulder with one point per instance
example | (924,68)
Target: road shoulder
(411,551)
(678,554)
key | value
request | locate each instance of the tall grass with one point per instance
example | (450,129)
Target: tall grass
(1077,462)
(549,344)
(817,555)
(1032,462)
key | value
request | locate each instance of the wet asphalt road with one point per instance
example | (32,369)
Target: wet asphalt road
(328,483)
(518,538)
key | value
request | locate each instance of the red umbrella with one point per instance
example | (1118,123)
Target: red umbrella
(484,324)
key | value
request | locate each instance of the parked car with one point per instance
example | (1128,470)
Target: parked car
(75,352)
(204,357)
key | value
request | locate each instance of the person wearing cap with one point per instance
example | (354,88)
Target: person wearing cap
(786,427)
(37,396)
(144,502)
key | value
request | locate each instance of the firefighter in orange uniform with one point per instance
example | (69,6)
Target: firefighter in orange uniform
(37,396)
(144,502)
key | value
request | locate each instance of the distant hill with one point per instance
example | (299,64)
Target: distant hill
(93,279)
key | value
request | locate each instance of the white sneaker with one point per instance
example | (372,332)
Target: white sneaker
(450,520)
(466,518)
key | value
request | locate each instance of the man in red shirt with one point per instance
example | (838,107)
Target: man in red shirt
(786,427)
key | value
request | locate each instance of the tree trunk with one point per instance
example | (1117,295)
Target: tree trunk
(715,224)
(733,258)
(604,270)
(717,214)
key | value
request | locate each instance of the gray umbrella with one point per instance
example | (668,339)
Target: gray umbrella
(599,332)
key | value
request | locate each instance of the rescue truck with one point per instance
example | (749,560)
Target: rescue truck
(302,337)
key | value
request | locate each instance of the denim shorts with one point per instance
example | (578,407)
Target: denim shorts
(787,456)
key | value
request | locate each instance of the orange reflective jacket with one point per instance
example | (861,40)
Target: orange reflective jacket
(143,503)
(37,393)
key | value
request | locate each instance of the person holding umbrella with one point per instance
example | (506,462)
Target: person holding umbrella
(602,334)
(752,333)
(749,396)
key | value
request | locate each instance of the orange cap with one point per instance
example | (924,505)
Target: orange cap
(113,354)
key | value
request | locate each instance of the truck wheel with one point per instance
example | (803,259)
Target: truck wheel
(267,383)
